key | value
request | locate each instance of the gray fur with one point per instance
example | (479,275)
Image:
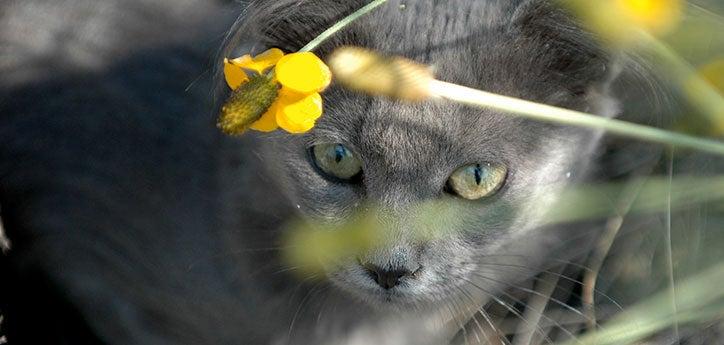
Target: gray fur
(134,215)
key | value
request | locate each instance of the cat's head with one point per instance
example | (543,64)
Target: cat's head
(497,173)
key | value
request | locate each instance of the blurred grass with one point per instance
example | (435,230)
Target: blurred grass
(700,298)
(315,245)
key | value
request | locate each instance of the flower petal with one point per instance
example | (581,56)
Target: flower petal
(303,72)
(289,96)
(268,121)
(234,75)
(241,61)
(264,61)
(300,116)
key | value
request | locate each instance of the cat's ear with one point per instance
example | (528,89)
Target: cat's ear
(290,24)
(565,50)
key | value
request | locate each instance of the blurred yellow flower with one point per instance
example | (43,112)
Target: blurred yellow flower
(713,73)
(298,77)
(709,76)
(655,16)
(617,20)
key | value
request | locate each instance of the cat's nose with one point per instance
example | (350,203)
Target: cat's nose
(387,278)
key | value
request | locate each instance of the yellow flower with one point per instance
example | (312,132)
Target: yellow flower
(706,84)
(616,20)
(655,16)
(298,78)
(713,73)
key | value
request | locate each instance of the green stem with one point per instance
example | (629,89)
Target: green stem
(553,114)
(341,25)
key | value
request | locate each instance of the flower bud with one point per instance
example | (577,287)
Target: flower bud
(247,104)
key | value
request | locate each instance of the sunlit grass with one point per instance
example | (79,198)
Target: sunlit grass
(700,298)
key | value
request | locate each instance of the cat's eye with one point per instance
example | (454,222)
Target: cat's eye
(336,162)
(476,181)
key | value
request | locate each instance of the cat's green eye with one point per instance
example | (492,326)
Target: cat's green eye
(336,161)
(476,181)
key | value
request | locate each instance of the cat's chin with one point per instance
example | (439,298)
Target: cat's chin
(387,301)
(413,294)
(396,300)
(391,303)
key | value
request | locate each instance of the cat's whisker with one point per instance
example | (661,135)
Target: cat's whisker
(556,301)
(543,316)
(474,318)
(518,255)
(454,316)
(471,314)
(313,290)
(509,307)
(322,309)
(560,275)
(537,305)
(566,306)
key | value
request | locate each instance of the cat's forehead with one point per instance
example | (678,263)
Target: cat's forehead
(424,133)
(488,45)
(498,46)
(422,27)
(456,38)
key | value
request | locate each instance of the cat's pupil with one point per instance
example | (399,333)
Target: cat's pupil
(336,161)
(339,153)
(478,174)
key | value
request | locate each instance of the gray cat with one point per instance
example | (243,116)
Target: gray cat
(134,221)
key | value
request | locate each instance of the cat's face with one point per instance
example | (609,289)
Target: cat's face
(495,173)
